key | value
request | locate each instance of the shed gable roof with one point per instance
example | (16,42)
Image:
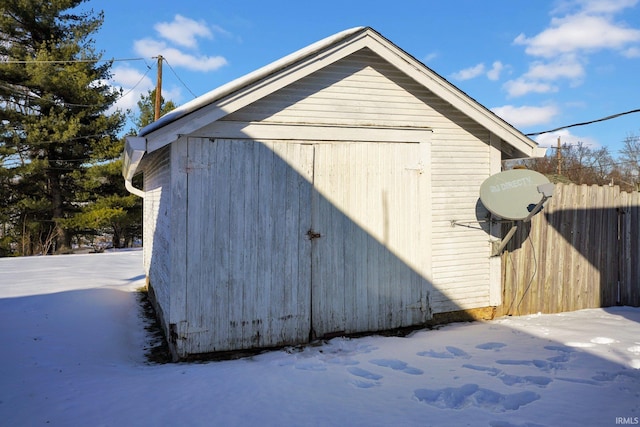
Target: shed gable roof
(245,90)
(362,90)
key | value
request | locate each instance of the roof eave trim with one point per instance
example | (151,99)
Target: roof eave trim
(458,98)
(246,80)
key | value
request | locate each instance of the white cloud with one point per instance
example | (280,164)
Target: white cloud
(523,86)
(494,73)
(183,31)
(178,58)
(478,70)
(632,52)
(539,77)
(578,29)
(431,56)
(566,137)
(579,32)
(526,115)
(219,30)
(130,77)
(173,94)
(133,83)
(469,73)
(567,66)
(607,6)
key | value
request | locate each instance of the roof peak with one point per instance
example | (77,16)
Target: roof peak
(249,78)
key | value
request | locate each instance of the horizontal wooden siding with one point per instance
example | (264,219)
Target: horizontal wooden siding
(156,227)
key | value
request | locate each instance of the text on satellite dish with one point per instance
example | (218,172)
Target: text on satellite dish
(522,182)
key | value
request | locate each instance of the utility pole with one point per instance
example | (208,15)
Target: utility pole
(559,158)
(156,115)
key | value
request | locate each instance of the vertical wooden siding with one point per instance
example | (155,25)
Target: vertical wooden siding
(255,279)
(582,251)
(247,255)
(365,90)
(371,267)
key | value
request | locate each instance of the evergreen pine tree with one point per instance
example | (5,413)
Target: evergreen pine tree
(54,116)
(112,210)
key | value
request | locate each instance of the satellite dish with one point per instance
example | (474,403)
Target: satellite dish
(515,194)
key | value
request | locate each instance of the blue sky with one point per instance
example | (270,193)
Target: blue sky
(538,64)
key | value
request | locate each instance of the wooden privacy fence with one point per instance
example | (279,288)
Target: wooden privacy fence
(581,251)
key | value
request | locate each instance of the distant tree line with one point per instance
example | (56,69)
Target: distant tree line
(581,164)
(60,137)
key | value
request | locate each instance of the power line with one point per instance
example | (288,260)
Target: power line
(139,82)
(179,79)
(14,163)
(585,123)
(58,141)
(68,104)
(35,61)
(65,61)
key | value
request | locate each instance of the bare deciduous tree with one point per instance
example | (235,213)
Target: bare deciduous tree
(579,164)
(630,162)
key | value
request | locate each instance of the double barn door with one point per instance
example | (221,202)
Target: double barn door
(289,241)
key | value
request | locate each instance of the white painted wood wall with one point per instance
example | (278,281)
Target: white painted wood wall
(361,101)
(157,224)
(364,90)
(254,278)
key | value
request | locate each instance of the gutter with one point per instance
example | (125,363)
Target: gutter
(134,149)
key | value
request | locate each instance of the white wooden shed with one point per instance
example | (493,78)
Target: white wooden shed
(315,196)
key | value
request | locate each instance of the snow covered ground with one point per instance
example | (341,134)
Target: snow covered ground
(72,354)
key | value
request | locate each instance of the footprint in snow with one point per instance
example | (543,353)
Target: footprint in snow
(366,379)
(344,361)
(561,358)
(450,353)
(397,365)
(310,366)
(543,365)
(363,373)
(510,424)
(491,371)
(524,380)
(474,395)
(511,380)
(564,353)
(577,380)
(491,346)
(561,348)
(624,375)
(363,384)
